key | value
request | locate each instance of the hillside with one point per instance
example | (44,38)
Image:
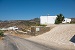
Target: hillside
(22,24)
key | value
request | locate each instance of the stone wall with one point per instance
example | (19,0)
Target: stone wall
(36,30)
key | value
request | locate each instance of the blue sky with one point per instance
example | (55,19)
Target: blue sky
(29,9)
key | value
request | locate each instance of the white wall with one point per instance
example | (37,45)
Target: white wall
(47,19)
(43,20)
(51,19)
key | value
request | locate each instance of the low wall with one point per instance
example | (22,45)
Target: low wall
(36,30)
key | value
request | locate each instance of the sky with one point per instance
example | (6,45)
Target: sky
(29,9)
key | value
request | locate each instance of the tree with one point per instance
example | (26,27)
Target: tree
(59,19)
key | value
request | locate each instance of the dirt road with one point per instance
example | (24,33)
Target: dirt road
(16,43)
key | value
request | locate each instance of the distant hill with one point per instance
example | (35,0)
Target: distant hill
(23,24)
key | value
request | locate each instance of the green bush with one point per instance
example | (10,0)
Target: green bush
(1,33)
(43,25)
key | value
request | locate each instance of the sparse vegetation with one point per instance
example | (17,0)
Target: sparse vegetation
(72,22)
(41,25)
(1,33)
(24,30)
(22,24)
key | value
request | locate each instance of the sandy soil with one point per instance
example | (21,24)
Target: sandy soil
(59,37)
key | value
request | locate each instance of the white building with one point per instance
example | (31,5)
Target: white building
(10,28)
(47,19)
(51,20)
(13,28)
(66,20)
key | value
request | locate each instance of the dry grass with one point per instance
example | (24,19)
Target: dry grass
(20,35)
(14,33)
